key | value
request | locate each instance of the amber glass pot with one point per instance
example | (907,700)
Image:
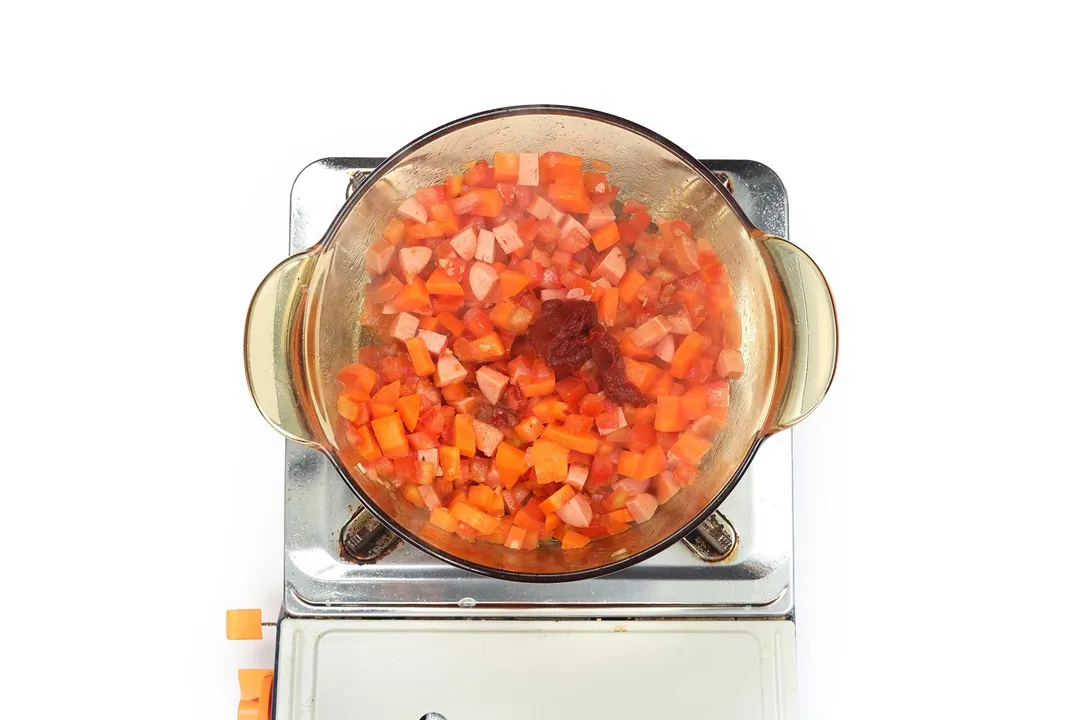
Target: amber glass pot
(302,325)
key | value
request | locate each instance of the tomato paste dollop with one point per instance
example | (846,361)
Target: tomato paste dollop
(567,335)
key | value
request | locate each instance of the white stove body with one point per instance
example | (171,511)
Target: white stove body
(535,669)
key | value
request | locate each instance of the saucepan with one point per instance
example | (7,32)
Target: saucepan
(302,325)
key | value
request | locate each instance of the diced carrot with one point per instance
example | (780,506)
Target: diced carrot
(348,408)
(557,499)
(529,429)
(608,307)
(491,202)
(388,393)
(449,321)
(629,285)
(506,167)
(510,462)
(409,408)
(685,355)
(695,402)
(427,323)
(526,520)
(464,437)
(412,493)
(421,358)
(569,198)
(453,186)
(550,410)
(690,448)
(605,237)
(573,540)
(450,462)
(366,445)
(439,283)
(391,435)
(441,518)
(669,414)
(426,472)
(359,376)
(551,461)
(582,442)
(653,462)
(641,374)
(474,518)
(629,464)
(413,296)
(394,232)
(538,388)
(379,409)
(511,283)
(662,386)
(500,314)
(515,538)
(455,391)
(631,350)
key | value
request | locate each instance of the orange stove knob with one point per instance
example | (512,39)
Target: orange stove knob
(256,686)
(243,624)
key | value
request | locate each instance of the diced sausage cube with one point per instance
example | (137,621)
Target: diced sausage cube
(666,486)
(404,327)
(430,455)
(507,236)
(429,496)
(602,283)
(577,476)
(482,278)
(433,341)
(642,506)
(576,294)
(492,383)
(540,208)
(528,169)
(600,216)
(576,513)
(413,209)
(553,294)
(612,267)
(464,243)
(729,364)
(665,349)
(488,437)
(606,429)
(651,332)
(413,260)
(485,246)
(678,319)
(379,256)
(570,224)
(449,371)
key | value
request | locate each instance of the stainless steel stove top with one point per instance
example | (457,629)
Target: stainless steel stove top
(338,562)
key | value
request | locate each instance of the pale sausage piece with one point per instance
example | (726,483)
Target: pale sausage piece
(651,332)
(612,267)
(528,169)
(492,383)
(413,260)
(433,341)
(666,487)
(600,216)
(379,256)
(540,208)
(665,349)
(449,371)
(413,209)
(508,238)
(404,327)
(577,476)
(729,364)
(488,437)
(464,243)
(576,513)
(482,278)
(485,246)
(570,224)
(642,506)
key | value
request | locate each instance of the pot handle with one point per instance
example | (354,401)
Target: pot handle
(269,337)
(808,328)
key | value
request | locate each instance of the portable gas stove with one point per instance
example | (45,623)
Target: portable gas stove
(372,627)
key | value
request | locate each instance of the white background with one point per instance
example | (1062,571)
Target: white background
(929,154)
